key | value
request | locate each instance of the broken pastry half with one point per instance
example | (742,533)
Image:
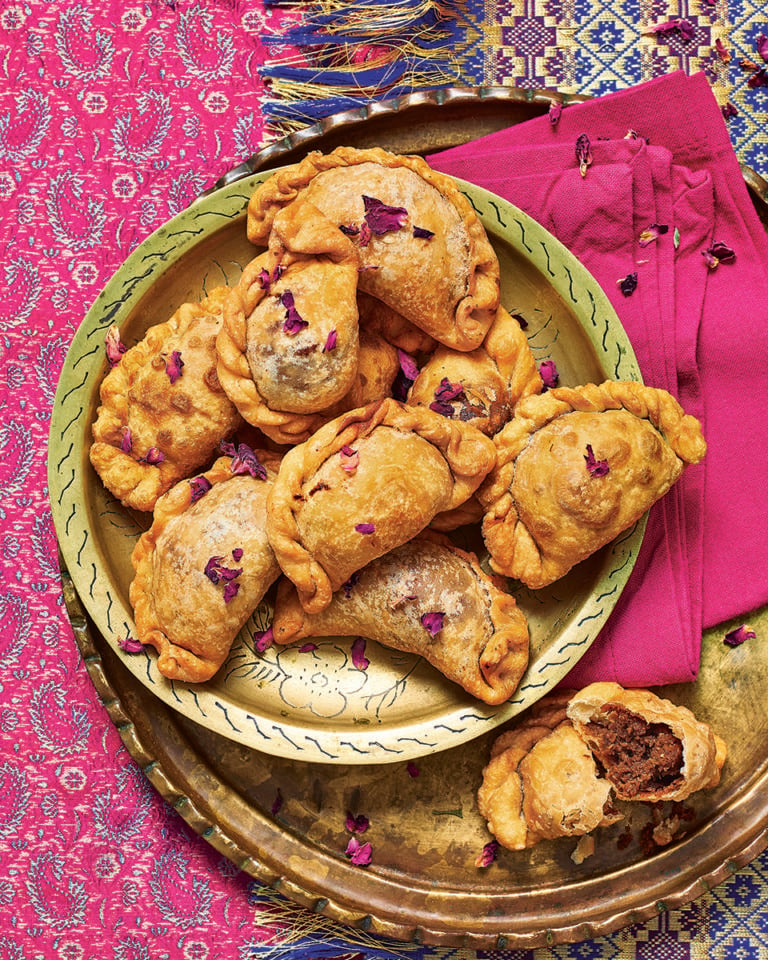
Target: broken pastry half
(289,345)
(429,598)
(483,386)
(577,466)
(558,771)
(205,564)
(423,249)
(163,411)
(363,484)
(649,748)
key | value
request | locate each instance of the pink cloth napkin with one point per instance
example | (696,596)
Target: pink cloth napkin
(702,334)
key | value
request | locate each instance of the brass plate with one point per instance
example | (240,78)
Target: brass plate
(422,885)
(316,706)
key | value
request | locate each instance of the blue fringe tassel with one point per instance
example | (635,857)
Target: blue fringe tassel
(349,52)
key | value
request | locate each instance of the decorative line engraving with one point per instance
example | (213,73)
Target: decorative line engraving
(225,711)
(498,213)
(546,254)
(195,697)
(522,235)
(571,292)
(321,749)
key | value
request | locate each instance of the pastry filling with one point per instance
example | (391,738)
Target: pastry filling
(637,756)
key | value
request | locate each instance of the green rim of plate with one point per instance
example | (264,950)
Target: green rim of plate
(68,464)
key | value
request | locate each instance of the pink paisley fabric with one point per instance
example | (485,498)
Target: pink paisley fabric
(113,116)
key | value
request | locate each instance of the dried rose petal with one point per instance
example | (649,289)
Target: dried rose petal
(293,322)
(521,320)
(488,854)
(729,110)
(153,457)
(555,109)
(412,770)
(718,253)
(445,393)
(230,591)
(277,803)
(237,554)
(382,218)
(266,279)
(174,366)
(432,622)
(407,365)
(350,459)
(723,53)
(244,460)
(263,639)
(130,645)
(358,824)
(307,648)
(200,486)
(583,153)
(685,28)
(330,342)
(628,284)
(359,659)
(597,468)
(126,443)
(761,45)
(217,573)
(365,528)
(549,374)
(115,347)
(421,233)
(758,79)
(735,637)
(359,853)
(652,233)
(349,230)
(349,584)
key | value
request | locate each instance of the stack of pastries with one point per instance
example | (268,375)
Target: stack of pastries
(386,398)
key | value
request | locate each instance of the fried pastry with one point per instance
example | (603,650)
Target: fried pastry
(204,565)
(377,367)
(377,317)
(430,598)
(364,484)
(423,249)
(163,411)
(289,346)
(558,771)
(483,386)
(542,781)
(649,748)
(576,467)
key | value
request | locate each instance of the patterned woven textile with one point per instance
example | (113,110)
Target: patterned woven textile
(113,117)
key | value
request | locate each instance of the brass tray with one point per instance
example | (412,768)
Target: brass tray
(422,885)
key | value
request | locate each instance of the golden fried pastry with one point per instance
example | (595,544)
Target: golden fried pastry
(480,387)
(204,565)
(363,484)
(430,598)
(289,345)
(649,748)
(377,317)
(163,411)
(576,467)
(377,367)
(557,772)
(423,249)
(542,781)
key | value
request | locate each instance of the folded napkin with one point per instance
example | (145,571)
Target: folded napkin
(661,154)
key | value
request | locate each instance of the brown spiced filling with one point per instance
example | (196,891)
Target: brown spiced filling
(637,756)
